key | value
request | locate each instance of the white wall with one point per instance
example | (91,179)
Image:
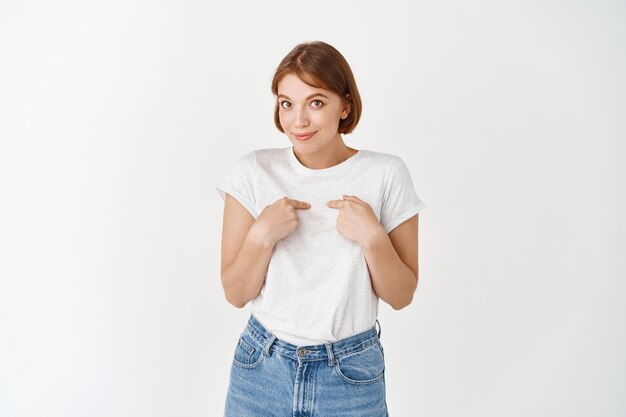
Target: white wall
(117,119)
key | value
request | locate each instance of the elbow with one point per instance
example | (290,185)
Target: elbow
(239,305)
(234,301)
(406,301)
(232,295)
(400,306)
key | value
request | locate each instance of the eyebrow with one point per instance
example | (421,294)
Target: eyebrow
(309,97)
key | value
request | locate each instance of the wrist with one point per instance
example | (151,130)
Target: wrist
(374,238)
(258,234)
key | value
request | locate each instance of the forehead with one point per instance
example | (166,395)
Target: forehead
(292,86)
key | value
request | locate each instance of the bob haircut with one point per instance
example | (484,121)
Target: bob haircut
(320,65)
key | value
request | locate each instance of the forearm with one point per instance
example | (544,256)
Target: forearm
(392,280)
(244,277)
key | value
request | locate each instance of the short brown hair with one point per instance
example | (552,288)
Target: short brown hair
(320,65)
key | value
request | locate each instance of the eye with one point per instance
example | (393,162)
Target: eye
(284,101)
(319,101)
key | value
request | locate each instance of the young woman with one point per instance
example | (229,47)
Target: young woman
(314,235)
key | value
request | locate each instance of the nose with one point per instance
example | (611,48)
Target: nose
(302,119)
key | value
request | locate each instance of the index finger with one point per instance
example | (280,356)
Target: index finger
(298,204)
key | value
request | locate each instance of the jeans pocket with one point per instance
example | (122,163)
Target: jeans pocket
(248,354)
(365,366)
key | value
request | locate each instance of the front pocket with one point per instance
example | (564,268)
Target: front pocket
(247,353)
(366,366)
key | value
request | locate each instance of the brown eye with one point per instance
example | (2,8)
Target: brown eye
(319,101)
(282,102)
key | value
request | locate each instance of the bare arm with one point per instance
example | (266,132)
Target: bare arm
(393,264)
(245,254)
(247,245)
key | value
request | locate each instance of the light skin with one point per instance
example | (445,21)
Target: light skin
(300,113)
(247,244)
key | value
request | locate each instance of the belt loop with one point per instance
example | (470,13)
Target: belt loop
(379,328)
(266,350)
(331,355)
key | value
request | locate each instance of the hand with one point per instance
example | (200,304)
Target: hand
(356,220)
(279,219)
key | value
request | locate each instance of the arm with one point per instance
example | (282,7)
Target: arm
(245,254)
(393,264)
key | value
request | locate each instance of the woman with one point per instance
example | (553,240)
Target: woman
(313,235)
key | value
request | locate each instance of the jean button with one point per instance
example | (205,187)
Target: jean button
(302,352)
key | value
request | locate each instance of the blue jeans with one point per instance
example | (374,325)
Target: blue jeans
(270,377)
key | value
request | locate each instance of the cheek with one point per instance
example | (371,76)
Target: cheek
(284,117)
(322,118)
(281,118)
(328,119)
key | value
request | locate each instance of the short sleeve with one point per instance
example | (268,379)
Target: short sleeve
(239,182)
(400,201)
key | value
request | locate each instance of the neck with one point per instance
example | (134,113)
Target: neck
(335,153)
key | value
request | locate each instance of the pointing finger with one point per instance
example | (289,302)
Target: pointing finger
(354,198)
(299,204)
(335,203)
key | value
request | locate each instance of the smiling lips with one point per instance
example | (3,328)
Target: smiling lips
(303,136)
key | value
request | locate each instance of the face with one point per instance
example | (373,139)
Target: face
(306,109)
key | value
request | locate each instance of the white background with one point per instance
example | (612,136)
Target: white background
(117,119)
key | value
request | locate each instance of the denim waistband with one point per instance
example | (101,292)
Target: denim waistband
(325,351)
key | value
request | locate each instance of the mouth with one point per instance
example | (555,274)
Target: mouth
(304,136)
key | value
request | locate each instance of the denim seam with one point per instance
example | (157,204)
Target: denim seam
(337,369)
(256,336)
(282,352)
(353,349)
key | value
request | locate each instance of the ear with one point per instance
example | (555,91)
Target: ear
(346,108)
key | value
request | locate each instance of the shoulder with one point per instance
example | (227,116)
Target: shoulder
(384,161)
(267,155)
(393,169)
(268,159)
(381,158)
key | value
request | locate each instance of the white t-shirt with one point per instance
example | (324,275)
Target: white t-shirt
(318,287)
